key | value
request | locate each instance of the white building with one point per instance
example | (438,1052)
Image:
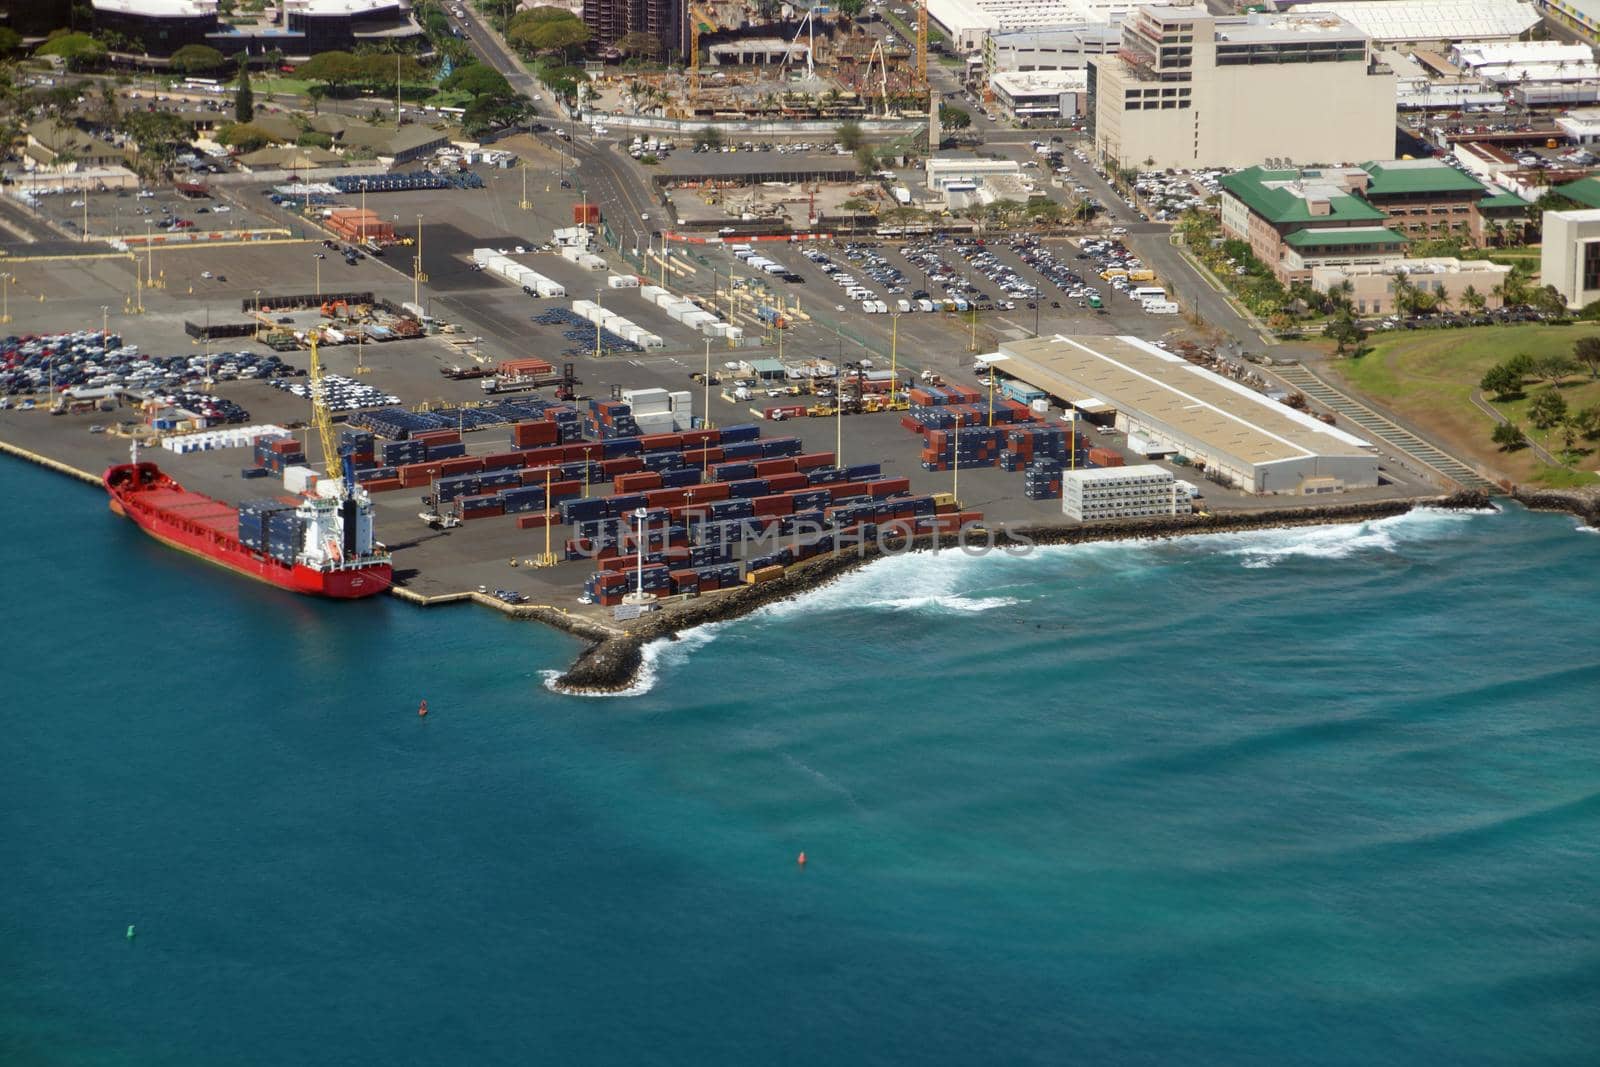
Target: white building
(954,172)
(969,21)
(1190,89)
(1521,62)
(1426,21)
(1060,48)
(1582,125)
(1122,493)
(1043,95)
(1234,433)
(1569,257)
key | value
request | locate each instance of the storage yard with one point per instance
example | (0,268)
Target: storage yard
(512,406)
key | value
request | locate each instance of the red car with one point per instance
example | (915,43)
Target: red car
(183,224)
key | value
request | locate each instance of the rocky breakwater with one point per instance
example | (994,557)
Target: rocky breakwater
(612,665)
(1584,503)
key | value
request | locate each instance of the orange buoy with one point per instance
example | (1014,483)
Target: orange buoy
(422,709)
(801,859)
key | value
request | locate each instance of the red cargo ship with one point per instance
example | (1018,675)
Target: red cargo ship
(337,558)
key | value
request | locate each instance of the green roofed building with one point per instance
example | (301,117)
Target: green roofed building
(1585,191)
(1293,219)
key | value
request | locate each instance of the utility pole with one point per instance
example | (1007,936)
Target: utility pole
(705,418)
(416,277)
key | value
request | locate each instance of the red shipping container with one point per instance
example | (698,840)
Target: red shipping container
(543,457)
(537,475)
(484,513)
(661,442)
(812,460)
(638,481)
(773,505)
(840,490)
(383,485)
(889,486)
(530,434)
(531,521)
(584,450)
(665,498)
(707,492)
(464,465)
(690,578)
(768,467)
(908,423)
(1105,457)
(586,214)
(438,437)
(565,490)
(783,483)
(696,438)
(621,465)
(502,461)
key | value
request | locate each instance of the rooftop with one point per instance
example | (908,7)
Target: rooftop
(159,8)
(1135,376)
(1502,201)
(1282,196)
(1351,237)
(1401,176)
(1283,28)
(1585,191)
(1034,82)
(1433,20)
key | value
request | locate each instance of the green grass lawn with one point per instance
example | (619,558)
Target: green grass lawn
(1429,376)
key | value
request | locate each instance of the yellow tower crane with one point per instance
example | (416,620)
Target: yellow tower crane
(322,416)
(700,21)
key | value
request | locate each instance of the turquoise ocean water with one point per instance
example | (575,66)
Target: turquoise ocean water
(1323,796)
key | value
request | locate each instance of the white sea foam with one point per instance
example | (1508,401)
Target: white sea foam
(1260,549)
(939,582)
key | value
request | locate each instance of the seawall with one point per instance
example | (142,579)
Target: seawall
(1584,503)
(612,665)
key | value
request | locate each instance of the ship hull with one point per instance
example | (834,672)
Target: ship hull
(206,528)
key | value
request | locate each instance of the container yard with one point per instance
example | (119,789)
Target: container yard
(579,441)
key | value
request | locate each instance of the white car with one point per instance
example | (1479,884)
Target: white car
(644,216)
(221,209)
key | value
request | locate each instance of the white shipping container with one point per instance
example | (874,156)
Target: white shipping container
(299,479)
(583,307)
(651,292)
(623,281)
(653,340)
(481,256)
(571,253)
(591,262)
(735,333)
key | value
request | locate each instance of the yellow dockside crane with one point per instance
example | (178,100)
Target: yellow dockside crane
(321,416)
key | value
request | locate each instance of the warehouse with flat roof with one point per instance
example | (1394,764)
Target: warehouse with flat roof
(1235,434)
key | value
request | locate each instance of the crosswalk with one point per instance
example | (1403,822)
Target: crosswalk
(1402,440)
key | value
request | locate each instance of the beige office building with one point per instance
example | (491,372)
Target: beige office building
(1569,255)
(1190,89)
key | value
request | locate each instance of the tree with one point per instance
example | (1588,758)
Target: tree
(1346,334)
(954,118)
(1473,299)
(1521,365)
(849,135)
(196,59)
(1586,351)
(244,101)
(709,136)
(550,34)
(1502,381)
(1509,436)
(538,16)
(1547,299)
(10,40)
(332,69)
(866,159)
(1588,421)
(1547,408)
(640,45)
(244,137)
(1554,367)
(852,8)
(478,79)
(79,50)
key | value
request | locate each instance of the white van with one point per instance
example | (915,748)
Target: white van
(903,304)
(1149,292)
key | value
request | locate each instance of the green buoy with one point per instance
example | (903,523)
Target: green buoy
(130,931)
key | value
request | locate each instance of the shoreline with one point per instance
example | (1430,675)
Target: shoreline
(613,657)
(612,665)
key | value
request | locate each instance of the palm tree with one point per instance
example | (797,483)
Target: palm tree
(1473,299)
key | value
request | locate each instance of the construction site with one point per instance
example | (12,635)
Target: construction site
(825,67)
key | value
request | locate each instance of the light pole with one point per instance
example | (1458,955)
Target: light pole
(416,274)
(597,318)
(894,352)
(257,319)
(955,479)
(317,259)
(150,256)
(5,298)
(838,415)
(705,417)
(105,325)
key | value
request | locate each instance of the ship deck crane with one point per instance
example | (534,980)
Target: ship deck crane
(322,417)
